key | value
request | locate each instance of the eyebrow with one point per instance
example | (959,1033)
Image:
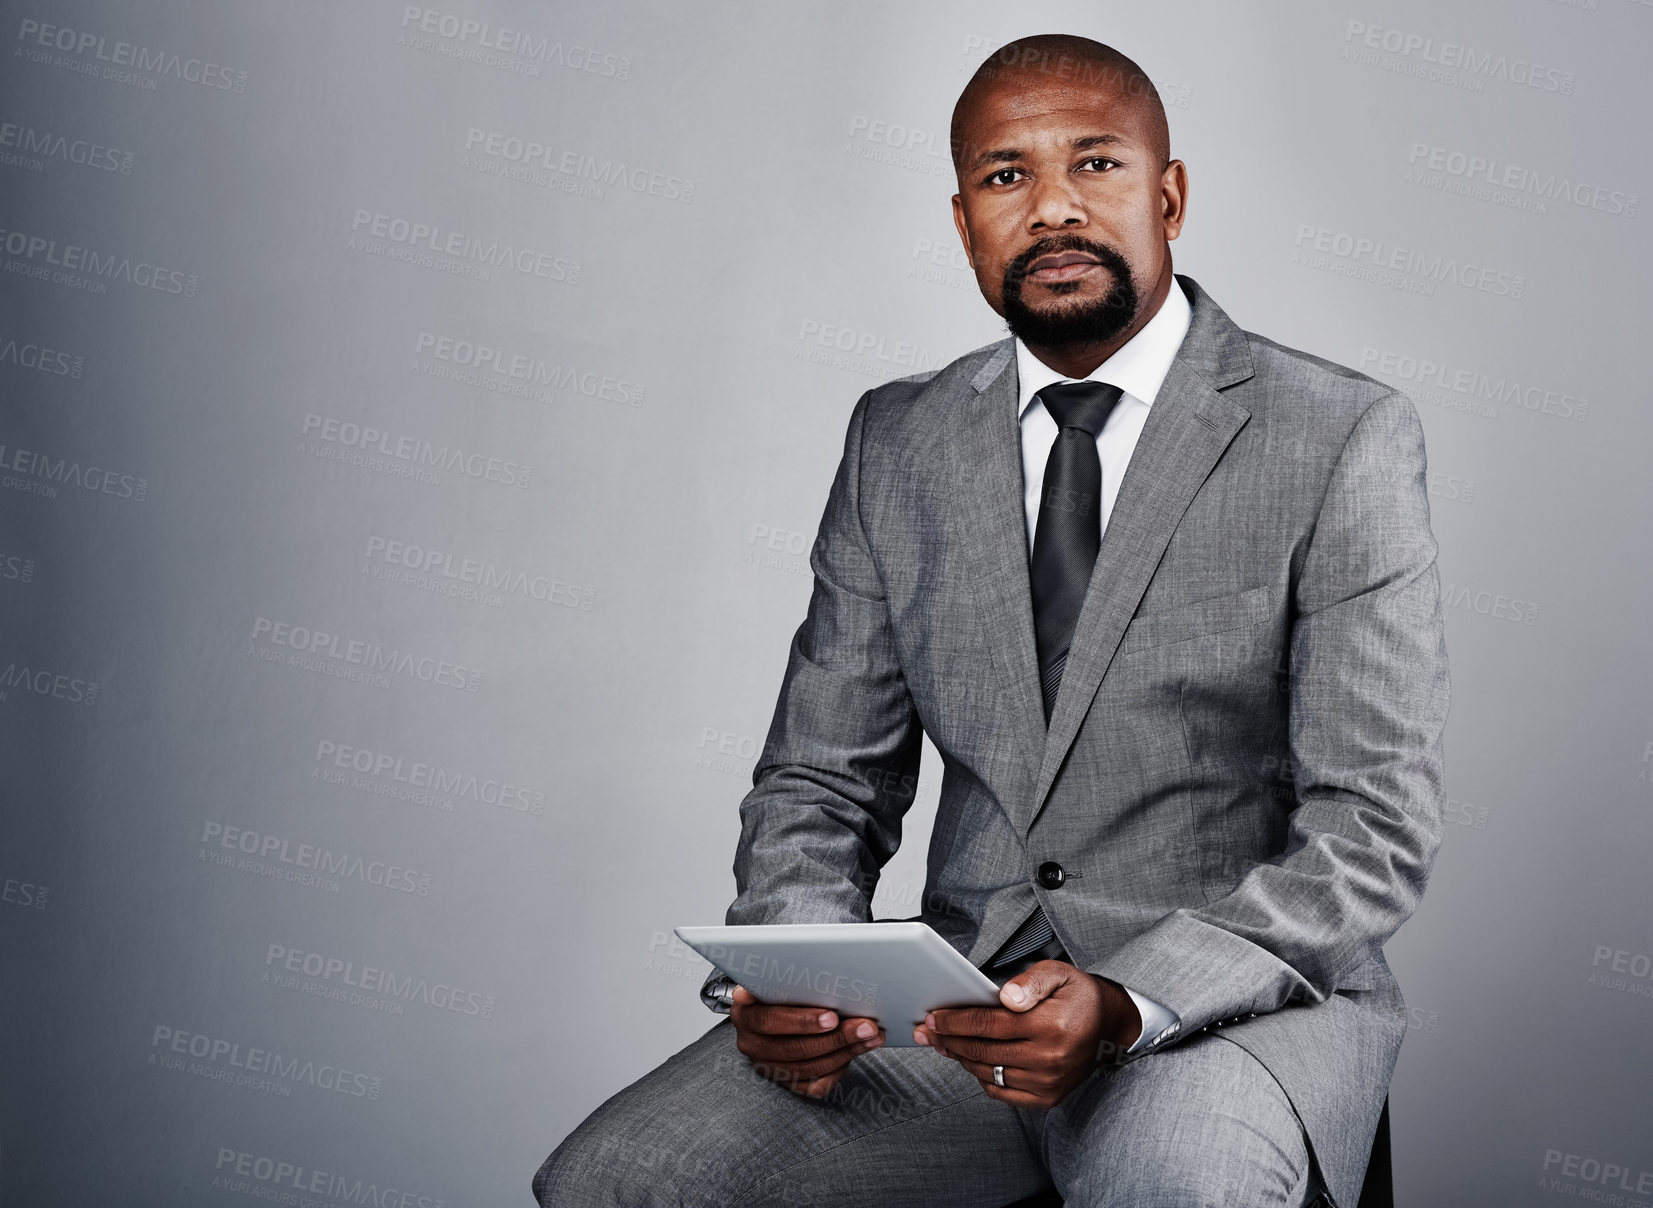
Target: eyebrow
(1007,155)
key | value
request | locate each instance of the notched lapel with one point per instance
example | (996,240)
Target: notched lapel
(1188,427)
(984,470)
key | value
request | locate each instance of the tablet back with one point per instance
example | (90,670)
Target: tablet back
(892,972)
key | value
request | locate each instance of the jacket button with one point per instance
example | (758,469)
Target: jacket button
(1051,875)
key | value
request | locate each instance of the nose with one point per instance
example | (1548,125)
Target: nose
(1053,204)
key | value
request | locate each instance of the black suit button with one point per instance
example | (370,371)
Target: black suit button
(1051,875)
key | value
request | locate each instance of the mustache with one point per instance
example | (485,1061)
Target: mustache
(1016,271)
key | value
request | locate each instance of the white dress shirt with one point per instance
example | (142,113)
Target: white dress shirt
(1138,368)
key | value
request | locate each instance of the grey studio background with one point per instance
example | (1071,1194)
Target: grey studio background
(414,425)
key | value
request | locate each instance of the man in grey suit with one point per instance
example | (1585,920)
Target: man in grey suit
(1163,595)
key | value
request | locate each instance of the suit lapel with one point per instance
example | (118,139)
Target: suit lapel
(984,472)
(1188,427)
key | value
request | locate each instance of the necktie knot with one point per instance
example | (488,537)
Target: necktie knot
(1085,405)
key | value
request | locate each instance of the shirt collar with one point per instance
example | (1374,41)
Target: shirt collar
(1138,368)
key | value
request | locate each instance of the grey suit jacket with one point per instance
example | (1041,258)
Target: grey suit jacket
(1242,774)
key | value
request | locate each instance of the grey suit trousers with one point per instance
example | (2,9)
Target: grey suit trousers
(1200,1123)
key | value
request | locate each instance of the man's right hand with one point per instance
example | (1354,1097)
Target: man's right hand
(805,1049)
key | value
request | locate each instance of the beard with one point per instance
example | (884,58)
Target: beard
(1093,322)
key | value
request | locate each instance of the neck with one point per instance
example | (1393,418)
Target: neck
(1079,361)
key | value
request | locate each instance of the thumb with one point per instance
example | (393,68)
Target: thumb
(1034,984)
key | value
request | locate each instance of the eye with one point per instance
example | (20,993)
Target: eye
(1102,160)
(1004,176)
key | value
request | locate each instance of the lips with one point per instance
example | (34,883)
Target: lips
(1061,260)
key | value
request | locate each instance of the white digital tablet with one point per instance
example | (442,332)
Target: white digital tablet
(893,972)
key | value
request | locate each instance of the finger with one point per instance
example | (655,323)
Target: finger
(755,1040)
(788,1079)
(791,1049)
(780,1020)
(1018,1098)
(1015,1078)
(1035,984)
(928,1036)
(819,1088)
(1020,1081)
(860,1027)
(995,1022)
(799,1072)
(793,1077)
(850,1035)
(988,1052)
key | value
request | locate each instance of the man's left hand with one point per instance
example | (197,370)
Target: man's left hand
(1055,1025)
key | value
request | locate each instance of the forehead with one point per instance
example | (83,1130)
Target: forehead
(1025,108)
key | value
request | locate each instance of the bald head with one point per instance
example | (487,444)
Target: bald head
(1064,60)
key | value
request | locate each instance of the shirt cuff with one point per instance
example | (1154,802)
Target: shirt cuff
(717,993)
(1157,1021)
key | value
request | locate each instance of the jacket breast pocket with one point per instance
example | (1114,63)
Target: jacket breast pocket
(1220,614)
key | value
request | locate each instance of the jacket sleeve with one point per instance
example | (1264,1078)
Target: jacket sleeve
(1368,701)
(839,768)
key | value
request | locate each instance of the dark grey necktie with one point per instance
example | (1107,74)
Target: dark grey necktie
(1066,540)
(1069,530)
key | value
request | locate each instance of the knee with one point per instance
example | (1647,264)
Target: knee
(572,1174)
(591,1168)
(647,1144)
(602,1166)
(1156,1189)
(1193,1176)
